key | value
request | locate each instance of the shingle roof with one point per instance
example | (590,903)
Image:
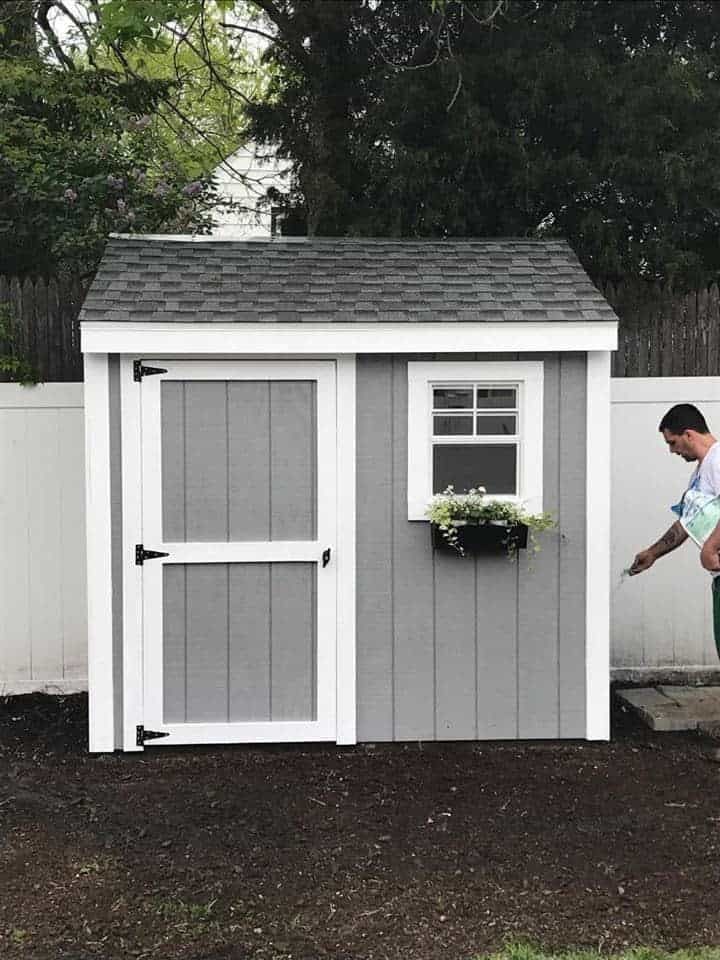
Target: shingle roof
(144,278)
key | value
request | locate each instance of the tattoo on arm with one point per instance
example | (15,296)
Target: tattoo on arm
(670,540)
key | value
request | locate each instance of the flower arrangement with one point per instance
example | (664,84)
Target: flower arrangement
(450,511)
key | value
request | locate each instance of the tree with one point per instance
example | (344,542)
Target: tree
(591,119)
(82,153)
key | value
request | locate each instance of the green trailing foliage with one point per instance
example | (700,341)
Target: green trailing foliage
(450,510)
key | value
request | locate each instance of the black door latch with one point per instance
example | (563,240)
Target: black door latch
(326,557)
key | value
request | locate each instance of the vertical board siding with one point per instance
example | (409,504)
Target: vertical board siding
(292,460)
(238,460)
(206,459)
(374,550)
(43,596)
(239,643)
(413,675)
(452,648)
(538,589)
(250,648)
(249,414)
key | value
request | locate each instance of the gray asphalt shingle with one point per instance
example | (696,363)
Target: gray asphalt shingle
(166,279)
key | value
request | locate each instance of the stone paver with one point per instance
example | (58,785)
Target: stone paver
(675,708)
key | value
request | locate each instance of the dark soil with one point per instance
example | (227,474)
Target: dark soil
(397,851)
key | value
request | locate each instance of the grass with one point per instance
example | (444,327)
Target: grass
(520,951)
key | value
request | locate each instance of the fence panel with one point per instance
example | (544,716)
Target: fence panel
(43,627)
(663,333)
(45,328)
(661,618)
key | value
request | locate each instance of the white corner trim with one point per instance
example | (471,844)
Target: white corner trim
(328,338)
(528,373)
(99,559)
(132,661)
(597,551)
(346,630)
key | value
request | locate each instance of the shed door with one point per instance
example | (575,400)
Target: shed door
(239,489)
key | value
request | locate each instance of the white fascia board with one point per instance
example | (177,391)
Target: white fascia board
(150,338)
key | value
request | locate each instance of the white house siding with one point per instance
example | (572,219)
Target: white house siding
(244,179)
(43,626)
(661,619)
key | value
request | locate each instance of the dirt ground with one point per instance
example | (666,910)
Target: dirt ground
(393,851)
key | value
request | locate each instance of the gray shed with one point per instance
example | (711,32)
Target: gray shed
(266,423)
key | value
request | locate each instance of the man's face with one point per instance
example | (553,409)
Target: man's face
(681,444)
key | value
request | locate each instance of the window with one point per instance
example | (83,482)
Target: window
(475,424)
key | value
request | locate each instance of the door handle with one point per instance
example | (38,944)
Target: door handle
(326,557)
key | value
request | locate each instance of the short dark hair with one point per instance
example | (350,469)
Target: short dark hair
(682,417)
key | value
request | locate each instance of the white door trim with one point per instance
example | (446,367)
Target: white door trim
(131,441)
(341,673)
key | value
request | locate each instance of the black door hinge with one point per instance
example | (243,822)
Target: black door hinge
(326,557)
(141,735)
(140,371)
(141,554)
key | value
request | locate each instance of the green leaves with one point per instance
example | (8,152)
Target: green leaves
(78,159)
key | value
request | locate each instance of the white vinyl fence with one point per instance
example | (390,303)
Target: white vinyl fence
(659,620)
(42,539)
(662,618)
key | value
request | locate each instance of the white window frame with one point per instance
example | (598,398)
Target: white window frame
(526,375)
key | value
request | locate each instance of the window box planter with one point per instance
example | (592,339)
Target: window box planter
(478,538)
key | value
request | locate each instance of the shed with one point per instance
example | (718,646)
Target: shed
(266,423)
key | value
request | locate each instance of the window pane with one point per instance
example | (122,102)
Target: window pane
(494,397)
(445,426)
(445,398)
(463,466)
(502,423)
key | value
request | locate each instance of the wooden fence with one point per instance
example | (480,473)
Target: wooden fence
(662,333)
(666,334)
(44,318)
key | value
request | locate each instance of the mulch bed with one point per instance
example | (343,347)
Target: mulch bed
(393,851)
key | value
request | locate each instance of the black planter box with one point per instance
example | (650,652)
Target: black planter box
(483,538)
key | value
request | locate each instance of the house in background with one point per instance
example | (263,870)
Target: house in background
(266,422)
(244,180)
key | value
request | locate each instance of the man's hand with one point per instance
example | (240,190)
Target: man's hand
(642,562)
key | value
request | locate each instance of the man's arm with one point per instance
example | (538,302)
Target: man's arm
(668,542)
(710,553)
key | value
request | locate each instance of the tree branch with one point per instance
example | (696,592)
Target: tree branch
(51,36)
(286,27)
(81,27)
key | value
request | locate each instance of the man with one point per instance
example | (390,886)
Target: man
(686,433)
